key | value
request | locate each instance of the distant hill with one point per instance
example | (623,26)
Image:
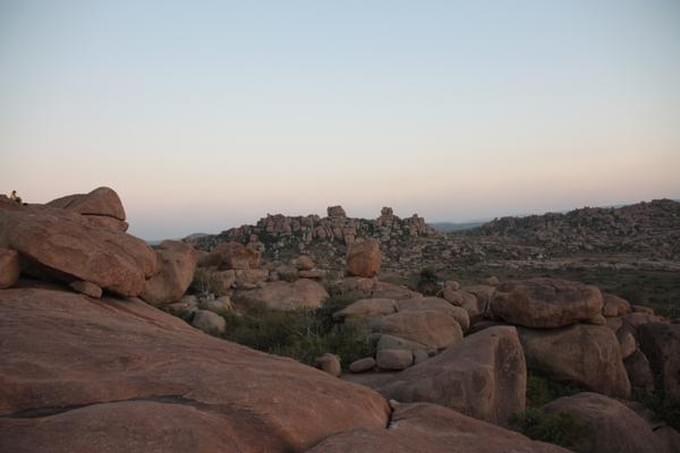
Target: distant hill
(448,227)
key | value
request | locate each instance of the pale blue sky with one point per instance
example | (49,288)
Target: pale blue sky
(205,115)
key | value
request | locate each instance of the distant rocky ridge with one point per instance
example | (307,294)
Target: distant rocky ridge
(651,229)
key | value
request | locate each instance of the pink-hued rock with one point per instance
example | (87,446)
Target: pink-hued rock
(61,244)
(9,268)
(124,376)
(429,428)
(102,201)
(176,266)
(364,258)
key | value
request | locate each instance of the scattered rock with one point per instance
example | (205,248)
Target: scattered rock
(484,377)
(612,427)
(177,264)
(394,359)
(330,363)
(585,355)
(546,302)
(87,288)
(364,258)
(362,365)
(9,268)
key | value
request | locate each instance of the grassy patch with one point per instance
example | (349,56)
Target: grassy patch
(560,429)
(302,335)
(542,390)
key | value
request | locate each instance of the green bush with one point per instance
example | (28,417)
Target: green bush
(665,408)
(541,390)
(302,335)
(560,429)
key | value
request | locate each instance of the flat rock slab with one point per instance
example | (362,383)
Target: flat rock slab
(125,376)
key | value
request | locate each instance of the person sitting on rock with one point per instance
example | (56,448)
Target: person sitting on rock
(14,197)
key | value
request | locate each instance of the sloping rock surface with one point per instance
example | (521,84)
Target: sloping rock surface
(81,375)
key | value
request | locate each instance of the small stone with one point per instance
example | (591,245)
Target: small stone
(87,288)
(362,365)
(209,322)
(330,363)
(394,359)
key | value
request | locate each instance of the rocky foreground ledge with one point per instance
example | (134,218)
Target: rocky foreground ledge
(89,362)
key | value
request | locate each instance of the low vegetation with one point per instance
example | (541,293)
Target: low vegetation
(302,335)
(665,408)
(560,429)
(542,390)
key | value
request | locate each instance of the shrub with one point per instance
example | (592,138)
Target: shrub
(302,335)
(541,390)
(429,282)
(560,429)
(665,408)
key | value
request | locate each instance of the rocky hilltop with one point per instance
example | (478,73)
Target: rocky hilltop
(650,229)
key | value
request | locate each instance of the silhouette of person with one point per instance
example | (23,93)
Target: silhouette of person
(14,197)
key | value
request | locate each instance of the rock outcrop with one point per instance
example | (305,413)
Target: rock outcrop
(62,245)
(123,376)
(483,377)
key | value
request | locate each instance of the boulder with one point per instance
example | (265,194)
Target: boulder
(585,355)
(209,322)
(394,359)
(232,255)
(249,278)
(435,304)
(612,427)
(362,365)
(364,258)
(102,201)
(614,306)
(427,327)
(221,306)
(367,288)
(9,268)
(635,320)
(184,309)
(286,296)
(660,342)
(386,341)
(336,212)
(627,342)
(177,264)
(429,428)
(59,243)
(639,372)
(366,308)
(480,307)
(546,302)
(304,263)
(329,363)
(484,377)
(120,375)
(87,288)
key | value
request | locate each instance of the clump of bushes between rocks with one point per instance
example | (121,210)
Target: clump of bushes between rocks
(560,429)
(302,335)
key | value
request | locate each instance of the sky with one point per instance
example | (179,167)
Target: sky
(205,115)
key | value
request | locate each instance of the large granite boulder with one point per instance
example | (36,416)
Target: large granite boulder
(119,375)
(231,255)
(660,342)
(61,244)
(368,288)
(286,296)
(366,308)
(484,377)
(585,355)
(611,426)
(546,302)
(102,201)
(429,428)
(177,264)
(364,258)
(428,327)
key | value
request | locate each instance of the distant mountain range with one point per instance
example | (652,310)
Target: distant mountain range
(448,227)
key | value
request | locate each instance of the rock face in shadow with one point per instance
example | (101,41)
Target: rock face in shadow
(64,245)
(588,356)
(123,376)
(546,302)
(661,344)
(428,428)
(612,427)
(484,377)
